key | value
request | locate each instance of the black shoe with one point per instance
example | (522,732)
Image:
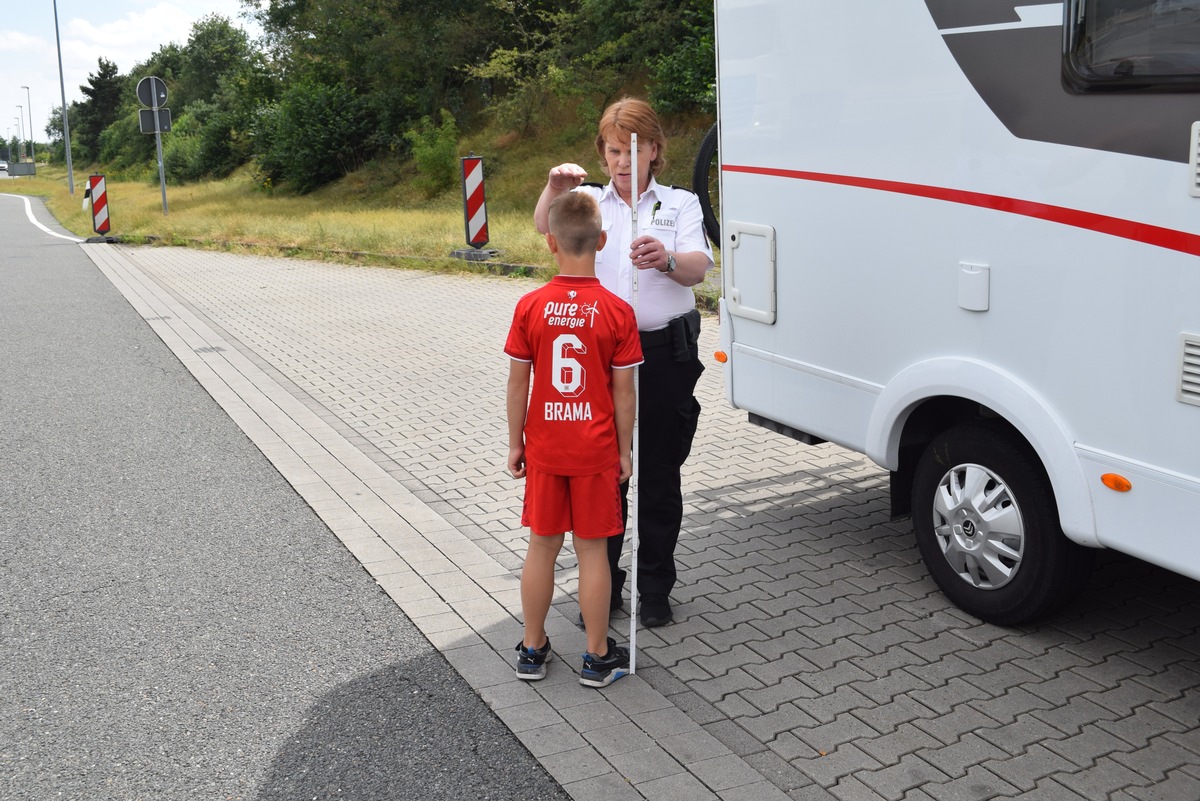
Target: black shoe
(655,610)
(603,671)
(531,664)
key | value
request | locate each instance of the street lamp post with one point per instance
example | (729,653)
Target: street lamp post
(21,144)
(29,109)
(62,87)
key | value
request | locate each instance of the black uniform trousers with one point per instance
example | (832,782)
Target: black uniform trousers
(667,415)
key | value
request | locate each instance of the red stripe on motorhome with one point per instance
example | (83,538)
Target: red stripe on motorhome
(1168,238)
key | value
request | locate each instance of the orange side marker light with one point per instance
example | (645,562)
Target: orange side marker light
(1115,482)
(721,356)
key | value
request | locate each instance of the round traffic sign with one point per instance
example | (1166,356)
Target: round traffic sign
(152,92)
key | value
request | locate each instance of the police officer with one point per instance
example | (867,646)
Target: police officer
(672,254)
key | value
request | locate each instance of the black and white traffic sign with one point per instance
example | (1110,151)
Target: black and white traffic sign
(146,117)
(152,92)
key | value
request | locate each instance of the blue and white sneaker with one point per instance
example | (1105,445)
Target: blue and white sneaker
(603,671)
(531,663)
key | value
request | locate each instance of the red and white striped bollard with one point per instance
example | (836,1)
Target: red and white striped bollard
(99,195)
(474,207)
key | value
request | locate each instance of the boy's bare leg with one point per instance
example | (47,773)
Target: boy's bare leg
(537,586)
(595,588)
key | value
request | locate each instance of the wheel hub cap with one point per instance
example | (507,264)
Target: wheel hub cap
(978,526)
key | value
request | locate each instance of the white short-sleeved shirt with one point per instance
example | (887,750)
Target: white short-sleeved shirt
(673,217)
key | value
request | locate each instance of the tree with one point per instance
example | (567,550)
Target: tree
(215,49)
(685,78)
(54,132)
(104,91)
(341,83)
(592,49)
(535,67)
(227,125)
(215,84)
(400,61)
(671,41)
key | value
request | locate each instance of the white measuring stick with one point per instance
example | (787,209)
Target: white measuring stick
(633,479)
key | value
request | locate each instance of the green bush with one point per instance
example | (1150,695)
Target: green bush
(181,150)
(123,145)
(435,153)
(684,79)
(311,136)
(220,149)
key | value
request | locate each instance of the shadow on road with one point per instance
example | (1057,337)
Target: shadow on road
(401,734)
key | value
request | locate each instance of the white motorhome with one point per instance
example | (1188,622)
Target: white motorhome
(963,238)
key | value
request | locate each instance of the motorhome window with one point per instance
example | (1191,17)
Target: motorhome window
(1132,44)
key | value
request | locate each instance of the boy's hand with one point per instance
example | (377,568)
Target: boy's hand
(626,468)
(516,461)
(566,176)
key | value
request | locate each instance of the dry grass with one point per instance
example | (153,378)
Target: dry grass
(372,216)
(233,214)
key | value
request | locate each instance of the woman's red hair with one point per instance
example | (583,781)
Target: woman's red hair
(632,116)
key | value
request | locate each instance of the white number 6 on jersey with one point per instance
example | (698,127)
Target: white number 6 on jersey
(568,376)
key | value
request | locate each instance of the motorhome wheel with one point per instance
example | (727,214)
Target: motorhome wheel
(987,527)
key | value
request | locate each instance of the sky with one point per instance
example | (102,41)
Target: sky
(124,32)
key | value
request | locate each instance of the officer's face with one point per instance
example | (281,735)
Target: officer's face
(619,160)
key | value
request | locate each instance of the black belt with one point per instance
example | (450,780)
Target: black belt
(680,333)
(655,339)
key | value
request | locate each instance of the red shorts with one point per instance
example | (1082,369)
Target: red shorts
(588,506)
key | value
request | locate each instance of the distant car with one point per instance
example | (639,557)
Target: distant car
(4,166)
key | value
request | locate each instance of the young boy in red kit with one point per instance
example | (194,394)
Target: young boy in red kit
(571,436)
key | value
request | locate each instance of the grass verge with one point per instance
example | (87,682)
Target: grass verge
(370,217)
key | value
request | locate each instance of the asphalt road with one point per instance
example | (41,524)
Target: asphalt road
(175,622)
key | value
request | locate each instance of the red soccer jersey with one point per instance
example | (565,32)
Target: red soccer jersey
(575,332)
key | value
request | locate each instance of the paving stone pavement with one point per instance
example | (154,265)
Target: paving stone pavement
(812,658)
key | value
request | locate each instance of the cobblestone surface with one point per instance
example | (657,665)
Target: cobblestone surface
(812,658)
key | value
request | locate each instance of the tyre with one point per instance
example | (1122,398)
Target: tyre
(705,183)
(987,527)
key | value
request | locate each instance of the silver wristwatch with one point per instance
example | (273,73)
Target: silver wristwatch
(670,263)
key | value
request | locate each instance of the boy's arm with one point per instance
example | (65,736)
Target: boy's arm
(517,405)
(625,403)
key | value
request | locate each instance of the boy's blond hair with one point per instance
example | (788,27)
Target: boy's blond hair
(576,223)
